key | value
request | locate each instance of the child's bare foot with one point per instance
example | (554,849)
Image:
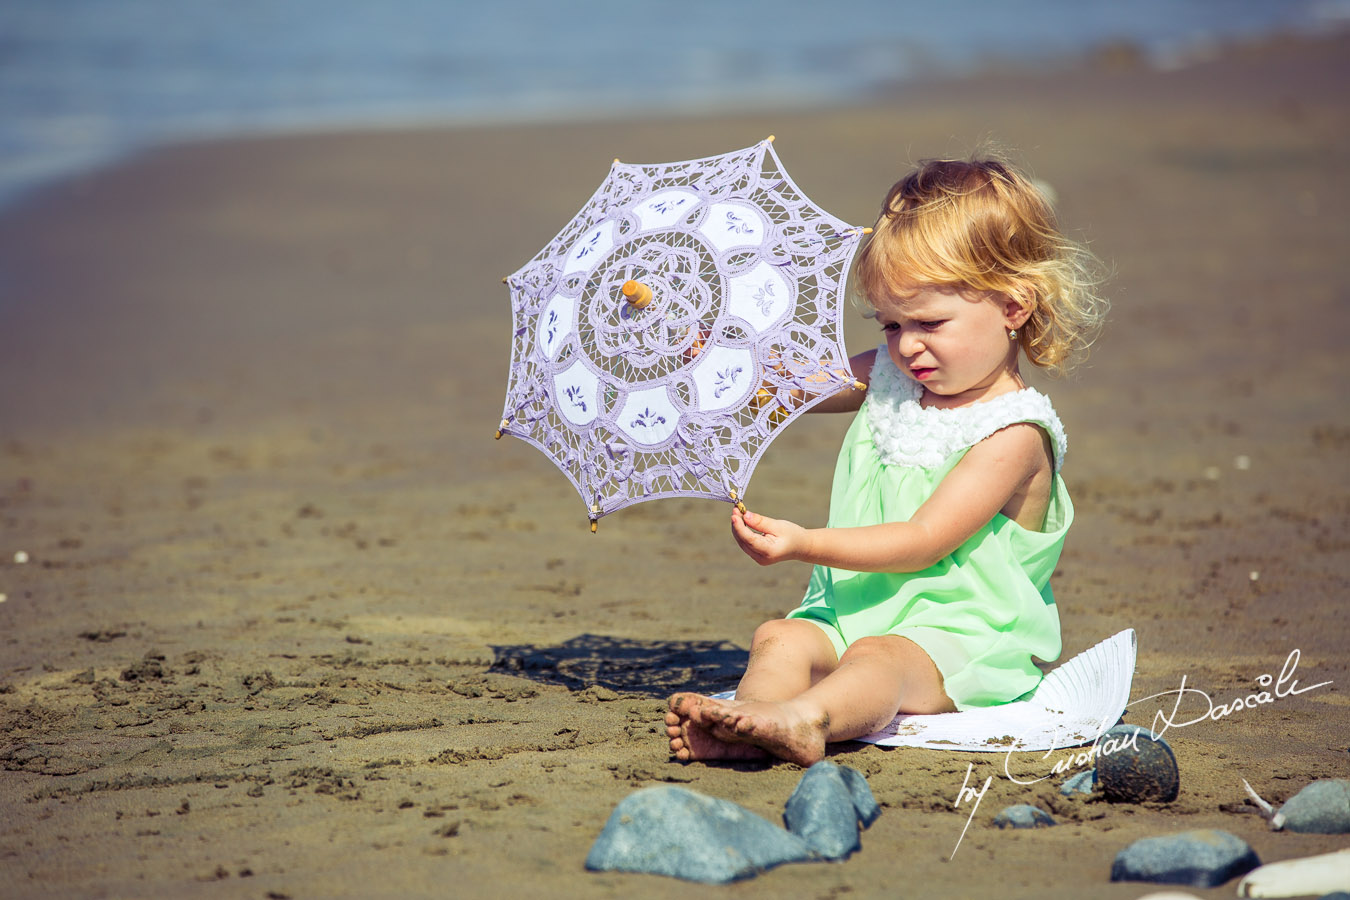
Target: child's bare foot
(779,728)
(689,723)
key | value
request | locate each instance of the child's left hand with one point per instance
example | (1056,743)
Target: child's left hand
(767,541)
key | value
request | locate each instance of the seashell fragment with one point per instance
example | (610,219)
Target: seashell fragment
(1312,876)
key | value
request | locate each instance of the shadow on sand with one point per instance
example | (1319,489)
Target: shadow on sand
(652,668)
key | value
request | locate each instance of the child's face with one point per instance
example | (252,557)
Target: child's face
(954,343)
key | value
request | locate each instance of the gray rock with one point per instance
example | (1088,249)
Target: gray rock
(826,808)
(1023,815)
(1134,767)
(1335,895)
(668,830)
(861,792)
(1322,807)
(1082,783)
(1202,858)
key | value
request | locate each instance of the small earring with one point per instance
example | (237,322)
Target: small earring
(1012,334)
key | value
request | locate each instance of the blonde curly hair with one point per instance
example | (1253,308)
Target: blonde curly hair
(979,224)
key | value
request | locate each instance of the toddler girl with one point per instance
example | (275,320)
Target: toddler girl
(930,591)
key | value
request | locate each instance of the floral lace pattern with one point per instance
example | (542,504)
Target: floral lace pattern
(907,434)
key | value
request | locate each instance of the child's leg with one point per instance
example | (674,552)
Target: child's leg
(876,678)
(787,656)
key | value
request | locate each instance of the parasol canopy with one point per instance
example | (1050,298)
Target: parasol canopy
(658,338)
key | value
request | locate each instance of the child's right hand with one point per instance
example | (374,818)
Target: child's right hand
(767,541)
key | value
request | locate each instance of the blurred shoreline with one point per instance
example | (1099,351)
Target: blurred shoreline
(80,99)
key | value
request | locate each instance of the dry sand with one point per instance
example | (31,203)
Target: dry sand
(249,395)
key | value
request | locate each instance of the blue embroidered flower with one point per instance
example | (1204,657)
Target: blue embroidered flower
(589,246)
(726,380)
(764,298)
(665,206)
(738,225)
(648,419)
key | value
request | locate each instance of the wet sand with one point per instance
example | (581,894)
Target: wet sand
(293,625)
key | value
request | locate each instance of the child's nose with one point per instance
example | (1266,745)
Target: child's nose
(910,343)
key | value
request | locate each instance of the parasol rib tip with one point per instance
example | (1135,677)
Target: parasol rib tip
(770,138)
(595,526)
(859,386)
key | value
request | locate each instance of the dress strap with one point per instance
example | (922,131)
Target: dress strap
(907,434)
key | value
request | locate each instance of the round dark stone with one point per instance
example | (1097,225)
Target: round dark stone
(1134,767)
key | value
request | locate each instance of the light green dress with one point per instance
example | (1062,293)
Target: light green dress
(982,612)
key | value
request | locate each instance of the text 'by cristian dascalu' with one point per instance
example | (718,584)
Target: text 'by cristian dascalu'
(1190,706)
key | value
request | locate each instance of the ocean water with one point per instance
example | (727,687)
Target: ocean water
(83,82)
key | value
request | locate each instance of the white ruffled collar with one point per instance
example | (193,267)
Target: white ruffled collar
(907,434)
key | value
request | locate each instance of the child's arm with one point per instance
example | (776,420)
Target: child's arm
(845,401)
(990,475)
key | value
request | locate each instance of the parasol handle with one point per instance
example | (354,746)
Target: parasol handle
(637,294)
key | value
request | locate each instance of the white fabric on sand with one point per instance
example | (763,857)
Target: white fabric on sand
(1071,706)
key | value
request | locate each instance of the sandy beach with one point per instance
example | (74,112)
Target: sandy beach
(292,624)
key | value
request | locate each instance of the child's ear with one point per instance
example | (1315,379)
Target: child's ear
(1016,311)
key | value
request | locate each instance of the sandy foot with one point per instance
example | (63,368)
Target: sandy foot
(779,728)
(690,725)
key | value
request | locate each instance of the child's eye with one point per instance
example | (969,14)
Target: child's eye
(930,326)
(890,326)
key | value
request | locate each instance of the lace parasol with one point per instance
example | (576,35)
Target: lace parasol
(659,337)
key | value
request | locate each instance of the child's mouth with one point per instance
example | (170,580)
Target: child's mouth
(922,373)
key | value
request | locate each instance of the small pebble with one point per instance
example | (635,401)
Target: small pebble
(1322,807)
(1212,473)
(669,830)
(1254,575)
(20,557)
(1201,858)
(1023,815)
(826,807)
(1082,783)
(1135,767)
(1242,463)
(3,598)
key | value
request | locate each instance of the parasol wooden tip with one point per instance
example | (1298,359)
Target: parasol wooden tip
(501,428)
(770,138)
(859,386)
(867,231)
(595,526)
(637,294)
(741,507)
(505,279)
